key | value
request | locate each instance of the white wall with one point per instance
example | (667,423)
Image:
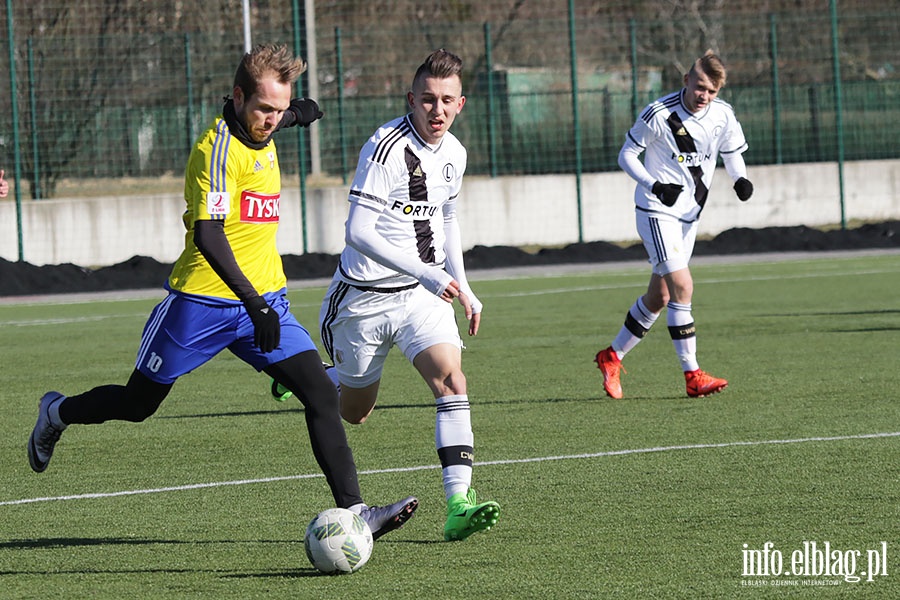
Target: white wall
(510,211)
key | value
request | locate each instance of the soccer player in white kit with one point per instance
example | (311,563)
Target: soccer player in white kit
(682,135)
(399,273)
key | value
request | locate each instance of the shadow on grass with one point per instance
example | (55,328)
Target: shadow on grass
(430,407)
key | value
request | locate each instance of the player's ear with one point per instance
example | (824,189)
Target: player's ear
(410,99)
(462,102)
(238,94)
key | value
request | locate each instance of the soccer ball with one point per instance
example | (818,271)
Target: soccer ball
(338,541)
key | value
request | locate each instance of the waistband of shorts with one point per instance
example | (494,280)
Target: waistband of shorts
(384,290)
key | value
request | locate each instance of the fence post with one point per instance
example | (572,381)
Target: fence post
(492,107)
(776,91)
(301,138)
(189,79)
(576,130)
(838,108)
(32,109)
(342,143)
(14,108)
(632,34)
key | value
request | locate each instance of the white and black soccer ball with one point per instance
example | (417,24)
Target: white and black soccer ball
(338,541)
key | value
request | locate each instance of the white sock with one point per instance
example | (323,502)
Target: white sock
(684,334)
(638,322)
(454,441)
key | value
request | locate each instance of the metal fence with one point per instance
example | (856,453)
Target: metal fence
(545,95)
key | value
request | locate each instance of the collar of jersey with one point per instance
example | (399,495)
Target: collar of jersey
(432,147)
(696,115)
(237,128)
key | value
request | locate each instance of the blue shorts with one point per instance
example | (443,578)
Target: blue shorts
(183,332)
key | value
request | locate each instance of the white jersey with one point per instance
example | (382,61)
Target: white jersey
(413,185)
(682,147)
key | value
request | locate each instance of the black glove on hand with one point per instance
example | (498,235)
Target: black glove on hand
(743,188)
(667,192)
(266,323)
(306,111)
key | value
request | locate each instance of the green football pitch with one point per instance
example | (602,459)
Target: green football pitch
(787,484)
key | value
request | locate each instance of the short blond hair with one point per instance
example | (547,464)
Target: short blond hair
(264,60)
(712,66)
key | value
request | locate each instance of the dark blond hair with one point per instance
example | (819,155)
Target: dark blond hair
(441,64)
(710,65)
(265,60)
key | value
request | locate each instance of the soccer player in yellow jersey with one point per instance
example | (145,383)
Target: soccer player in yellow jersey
(227,289)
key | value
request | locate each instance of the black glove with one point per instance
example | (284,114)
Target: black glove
(266,323)
(743,188)
(305,111)
(667,192)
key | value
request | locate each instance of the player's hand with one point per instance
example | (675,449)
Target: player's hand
(266,323)
(473,317)
(451,291)
(306,111)
(743,188)
(667,192)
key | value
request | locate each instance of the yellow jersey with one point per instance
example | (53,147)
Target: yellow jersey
(226,180)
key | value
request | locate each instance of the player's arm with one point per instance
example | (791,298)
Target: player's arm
(211,241)
(737,169)
(456,267)
(361,235)
(630,162)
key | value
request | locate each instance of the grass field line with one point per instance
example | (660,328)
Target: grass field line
(697,280)
(561,290)
(514,461)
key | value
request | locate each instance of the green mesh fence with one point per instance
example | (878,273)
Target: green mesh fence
(109,89)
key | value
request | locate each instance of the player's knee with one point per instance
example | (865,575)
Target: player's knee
(140,409)
(449,384)
(354,415)
(142,397)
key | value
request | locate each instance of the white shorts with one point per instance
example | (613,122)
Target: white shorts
(360,327)
(668,241)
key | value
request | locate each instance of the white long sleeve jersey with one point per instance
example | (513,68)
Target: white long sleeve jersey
(680,147)
(413,187)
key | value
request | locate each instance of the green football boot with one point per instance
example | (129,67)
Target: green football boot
(279,392)
(466,516)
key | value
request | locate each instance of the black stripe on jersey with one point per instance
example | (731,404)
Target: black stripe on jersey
(658,244)
(364,196)
(685,142)
(634,141)
(415,133)
(665,103)
(330,315)
(383,149)
(418,192)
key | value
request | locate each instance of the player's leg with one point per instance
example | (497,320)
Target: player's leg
(132,402)
(169,348)
(658,236)
(300,369)
(304,375)
(356,328)
(430,339)
(680,319)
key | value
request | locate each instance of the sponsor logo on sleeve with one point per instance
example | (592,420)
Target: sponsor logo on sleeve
(218,203)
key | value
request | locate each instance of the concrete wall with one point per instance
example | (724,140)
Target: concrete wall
(511,211)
